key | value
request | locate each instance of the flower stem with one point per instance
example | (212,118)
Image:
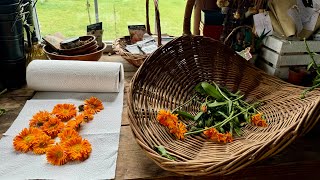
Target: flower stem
(219,124)
(184,103)
(311,54)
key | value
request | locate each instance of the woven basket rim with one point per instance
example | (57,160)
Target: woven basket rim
(206,166)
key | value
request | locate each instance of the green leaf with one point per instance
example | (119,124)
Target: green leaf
(216,104)
(199,89)
(222,130)
(209,122)
(163,152)
(211,90)
(237,131)
(185,115)
(2,112)
(198,115)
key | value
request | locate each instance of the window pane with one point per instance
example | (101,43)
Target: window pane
(70,17)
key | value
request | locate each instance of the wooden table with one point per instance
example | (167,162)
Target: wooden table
(299,160)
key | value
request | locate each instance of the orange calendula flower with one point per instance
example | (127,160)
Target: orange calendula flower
(168,119)
(211,133)
(179,130)
(78,148)
(74,124)
(39,119)
(57,155)
(257,120)
(87,116)
(53,127)
(93,105)
(229,137)
(68,134)
(25,140)
(214,135)
(43,143)
(65,111)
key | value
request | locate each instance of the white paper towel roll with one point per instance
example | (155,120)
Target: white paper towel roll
(74,76)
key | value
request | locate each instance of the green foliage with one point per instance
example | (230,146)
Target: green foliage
(70,17)
(163,152)
(312,65)
(2,112)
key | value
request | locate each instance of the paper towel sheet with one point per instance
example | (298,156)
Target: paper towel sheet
(106,121)
(100,165)
(103,132)
(73,76)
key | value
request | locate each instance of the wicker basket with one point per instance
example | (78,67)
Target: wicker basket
(166,80)
(120,44)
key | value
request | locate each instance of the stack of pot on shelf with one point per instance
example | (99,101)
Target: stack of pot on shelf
(12,40)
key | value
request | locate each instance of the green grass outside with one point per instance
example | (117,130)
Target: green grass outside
(70,17)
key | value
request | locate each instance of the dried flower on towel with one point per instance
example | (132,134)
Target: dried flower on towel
(93,105)
(65,112)
(57,155)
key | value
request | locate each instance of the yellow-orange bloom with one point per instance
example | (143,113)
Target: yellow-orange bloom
(74,124)
(25,140)
(214,135)
(57,155)
(93,105)
(43,143)
(87,116)
(65,111)
(53,127)
(168,119)
(68,134)
(257,120)
(211,133)
(179,130)
(39,119)
(78,148)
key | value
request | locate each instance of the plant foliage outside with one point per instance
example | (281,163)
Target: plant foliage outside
(70,17)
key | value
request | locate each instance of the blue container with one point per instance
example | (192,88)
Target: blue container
(212,17)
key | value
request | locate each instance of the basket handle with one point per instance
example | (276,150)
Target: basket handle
(187,17)
(157,14)
(234,30)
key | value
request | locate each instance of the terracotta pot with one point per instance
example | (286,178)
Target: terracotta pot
(296,76)
(94,56)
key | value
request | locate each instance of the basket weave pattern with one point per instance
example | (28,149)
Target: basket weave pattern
(121,43)
(166,80)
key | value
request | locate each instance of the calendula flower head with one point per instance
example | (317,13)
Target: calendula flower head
(214,135)
(53,127)
(43,143)
(168,119)
(56,155)
(179,130)
(68,134)
(74,124)
(204,108)
(65,112)
(87,116)
(25,140)
(93,105)
(78,148)
(257,120)
(39,119)
(211,133)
